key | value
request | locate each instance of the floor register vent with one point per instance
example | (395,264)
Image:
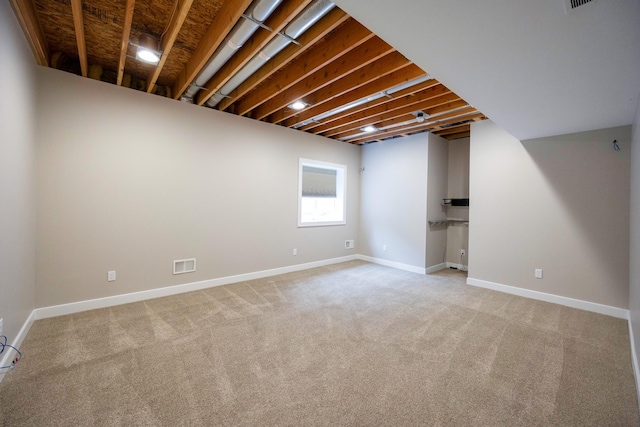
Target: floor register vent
(184,266)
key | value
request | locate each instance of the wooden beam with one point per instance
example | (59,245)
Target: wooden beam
(436,121)
(361,56)
(277,22)
(403,75)
(384,66)
(323,27)
(453,130)
(354,127)
(413,127)
(126,33)
(28,19)
(223,22)
(352,121)
(336,45)
(168,40)
(78,24)
(371,104)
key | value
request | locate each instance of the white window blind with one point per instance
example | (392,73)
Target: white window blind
(318,182)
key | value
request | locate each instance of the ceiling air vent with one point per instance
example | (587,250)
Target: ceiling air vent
(569,5)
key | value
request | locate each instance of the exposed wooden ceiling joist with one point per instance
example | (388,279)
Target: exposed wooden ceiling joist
(381,84)
(406,104)
(408,109)
(379,68)
(223,22)
(26,14)
(168,39)
(348,75)
(277,22)
(337,44)
(78,23)
(361,56)
(124,43)
(327,24)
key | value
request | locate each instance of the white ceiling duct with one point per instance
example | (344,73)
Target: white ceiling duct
(256,14)
(297,27)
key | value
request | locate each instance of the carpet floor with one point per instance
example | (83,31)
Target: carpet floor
(352,344)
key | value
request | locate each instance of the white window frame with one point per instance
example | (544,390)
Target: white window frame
(341,190)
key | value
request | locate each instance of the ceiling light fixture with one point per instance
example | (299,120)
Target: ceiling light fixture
(369,129)
(298,105)
(148,49)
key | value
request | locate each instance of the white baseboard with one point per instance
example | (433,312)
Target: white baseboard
(17,342)
(620,313)
(393,264)
(634,361)
(76,307)
(435,268)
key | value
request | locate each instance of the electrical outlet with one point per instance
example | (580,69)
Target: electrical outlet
(538,273)
(111,276)
(295,251)
(349,244)
(384,248)
(463,252)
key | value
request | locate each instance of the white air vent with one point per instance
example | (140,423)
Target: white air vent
(569,5)
(184,266)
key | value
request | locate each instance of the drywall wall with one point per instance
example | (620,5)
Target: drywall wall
(394,200)
(560,204)
(130,182)
(17,175)
(458,187)
(634,252)
(438,166)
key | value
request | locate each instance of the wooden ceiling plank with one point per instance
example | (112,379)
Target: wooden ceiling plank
(78,24)
(277,22)
(223,22)
(124,44)
(359,57)
(382,67)
(28,19)
(385,107)
(405,110)
(169,38)
(337,44)
(323,27)
(398,77)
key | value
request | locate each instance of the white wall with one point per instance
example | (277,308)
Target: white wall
(560,204)
(394,200)
(130,181)
(634,253)
(438,167)
(17,175)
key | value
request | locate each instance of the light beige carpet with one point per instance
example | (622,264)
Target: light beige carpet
(350,344)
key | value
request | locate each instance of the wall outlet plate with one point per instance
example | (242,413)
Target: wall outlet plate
(538,273)
(349,244)
(111,276)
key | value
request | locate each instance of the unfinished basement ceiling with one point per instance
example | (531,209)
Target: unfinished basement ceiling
(251,58)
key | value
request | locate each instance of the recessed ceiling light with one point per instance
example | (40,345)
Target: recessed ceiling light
(147,49)
(369,129)
(298,105)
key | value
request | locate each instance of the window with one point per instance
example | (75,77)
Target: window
(321,193)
